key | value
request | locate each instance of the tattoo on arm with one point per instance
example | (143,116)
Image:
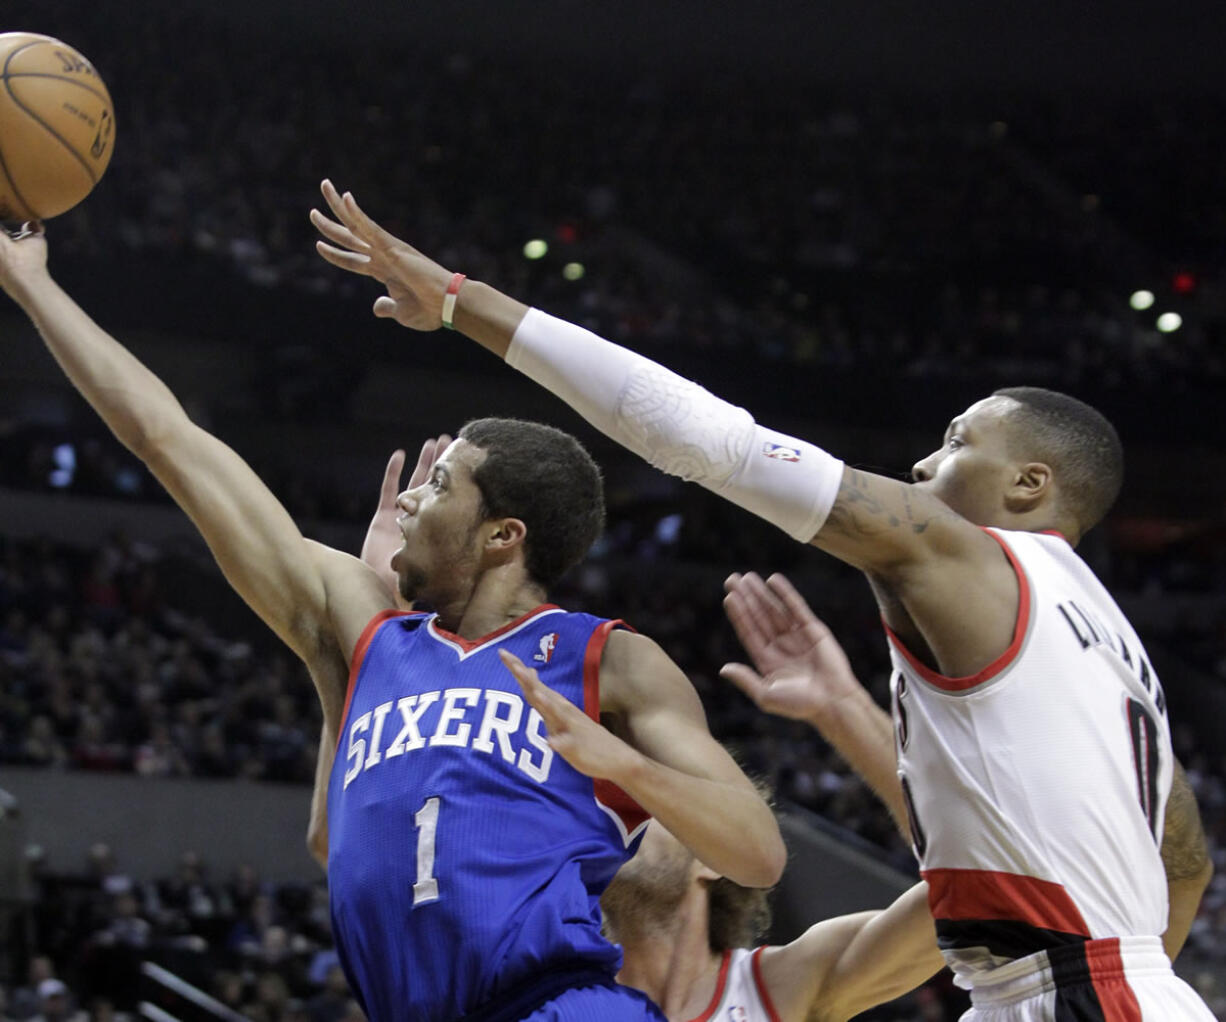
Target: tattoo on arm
(1185,852)
(862,510)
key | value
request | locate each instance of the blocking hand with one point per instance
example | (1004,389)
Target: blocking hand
(415,285)
(801,668)
(383,537)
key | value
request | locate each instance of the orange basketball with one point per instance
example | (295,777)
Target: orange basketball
(57,127)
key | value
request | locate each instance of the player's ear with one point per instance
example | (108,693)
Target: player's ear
(505,534)
(1032,485)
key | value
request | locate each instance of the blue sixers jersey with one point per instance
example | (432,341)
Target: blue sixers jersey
(465,858)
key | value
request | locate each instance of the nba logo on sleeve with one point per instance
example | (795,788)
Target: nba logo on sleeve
(778,452)
(548,642)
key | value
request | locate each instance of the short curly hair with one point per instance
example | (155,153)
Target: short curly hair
(545,478)
(1076,440)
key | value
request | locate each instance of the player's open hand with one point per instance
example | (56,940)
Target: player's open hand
(415,285)
(586,745)
(383,537)
(23,255)
(800,667)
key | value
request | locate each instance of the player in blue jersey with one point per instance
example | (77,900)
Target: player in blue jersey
(686,932)
(469,841)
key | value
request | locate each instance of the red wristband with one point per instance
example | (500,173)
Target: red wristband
(449,300)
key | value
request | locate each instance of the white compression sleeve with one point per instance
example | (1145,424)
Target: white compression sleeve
(678,426)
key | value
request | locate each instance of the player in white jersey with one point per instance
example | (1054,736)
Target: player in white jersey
(1022,460)
(1003,754)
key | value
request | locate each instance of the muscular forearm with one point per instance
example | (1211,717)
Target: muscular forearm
(488,316)
(134,403)
(863,734)
(1185,897)
(669,421)
(1185,857)
(702,814)
(1186,860)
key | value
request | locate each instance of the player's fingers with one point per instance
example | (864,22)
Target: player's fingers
(352,261)
(425,459)
(365,227)
(333,198)
(549,704)
(337,233)
(795,605)
(528,679)
(745,678)
(752,616)
(742,621)
(732,581)
(766,603)
(391,479)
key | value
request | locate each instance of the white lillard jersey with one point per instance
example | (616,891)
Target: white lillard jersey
(1038,787)
(740,995)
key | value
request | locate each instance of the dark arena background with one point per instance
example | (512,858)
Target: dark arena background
(852,221)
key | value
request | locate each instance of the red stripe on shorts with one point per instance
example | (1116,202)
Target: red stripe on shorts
(1110,983)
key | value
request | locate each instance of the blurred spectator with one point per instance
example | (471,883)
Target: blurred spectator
(55,1004)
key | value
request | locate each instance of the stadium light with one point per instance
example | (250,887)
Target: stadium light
(536,248)
(573,271)
(1141,300)
(1169,322)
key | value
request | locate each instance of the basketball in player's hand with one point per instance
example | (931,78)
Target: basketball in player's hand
(57,127)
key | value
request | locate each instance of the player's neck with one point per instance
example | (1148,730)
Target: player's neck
(671,960)
(499,597)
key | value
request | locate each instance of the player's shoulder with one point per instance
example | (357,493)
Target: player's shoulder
(627,650)
(635,671)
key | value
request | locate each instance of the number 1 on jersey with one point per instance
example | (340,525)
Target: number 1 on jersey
(426,821)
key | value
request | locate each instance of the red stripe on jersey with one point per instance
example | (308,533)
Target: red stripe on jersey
(985,894)
(359,654)
(949,684)
(763,994)
(468,645)
(721,982)
(1110,982)
(607,793)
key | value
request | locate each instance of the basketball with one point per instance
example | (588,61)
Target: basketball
(57,127)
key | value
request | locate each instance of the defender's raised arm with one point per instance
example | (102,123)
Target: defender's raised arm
(893,531)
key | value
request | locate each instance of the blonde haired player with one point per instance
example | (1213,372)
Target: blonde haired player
(1061,844)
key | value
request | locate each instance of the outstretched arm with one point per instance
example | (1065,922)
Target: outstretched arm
(843,966)
(1185,854)
(802,672)
(664,758)
(965,612)
(253,538)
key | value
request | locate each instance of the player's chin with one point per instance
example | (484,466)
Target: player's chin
(411,583)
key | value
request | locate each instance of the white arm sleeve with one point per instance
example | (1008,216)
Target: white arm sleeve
(678,426)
